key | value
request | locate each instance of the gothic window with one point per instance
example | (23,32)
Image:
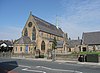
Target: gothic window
(43,46)
(26,32)
(69,49)
(20,48)
(29,48)
(16,48)
(34,34)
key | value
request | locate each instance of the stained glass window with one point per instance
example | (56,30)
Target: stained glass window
(34,34)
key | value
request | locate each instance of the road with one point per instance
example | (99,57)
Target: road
(8,65)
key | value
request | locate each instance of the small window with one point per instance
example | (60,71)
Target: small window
(16,48)
(20,48)
(41,34)
(29,48)
(47,35)
(50,36)
(69,49)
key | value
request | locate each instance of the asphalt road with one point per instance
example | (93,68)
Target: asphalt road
(33,66)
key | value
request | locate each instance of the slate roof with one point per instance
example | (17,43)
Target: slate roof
(73,43)
(48,27)
(90,38)
(7,42)
(24,40)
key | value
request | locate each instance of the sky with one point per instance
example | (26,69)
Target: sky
(74,16)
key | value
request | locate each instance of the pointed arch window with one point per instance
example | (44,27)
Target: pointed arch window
(26,32)
(43,46)
(34,34)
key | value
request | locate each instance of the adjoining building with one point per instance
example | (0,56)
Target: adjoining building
(91,41)
(74,45)
(6,46)
(38,34)
(24,45)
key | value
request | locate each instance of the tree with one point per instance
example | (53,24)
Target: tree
(54,44)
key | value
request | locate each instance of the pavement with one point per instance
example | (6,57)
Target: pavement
(60,61)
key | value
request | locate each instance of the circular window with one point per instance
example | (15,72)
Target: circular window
(30,24)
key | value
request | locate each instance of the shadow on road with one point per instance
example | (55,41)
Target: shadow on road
(6,67)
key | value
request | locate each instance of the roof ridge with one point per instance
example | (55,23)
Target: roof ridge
(92,32)
(48,23)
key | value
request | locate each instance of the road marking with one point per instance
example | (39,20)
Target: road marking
(26,69)
(38,66)
(24,66)
(61,70)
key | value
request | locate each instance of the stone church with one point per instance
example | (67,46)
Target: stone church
(38,34)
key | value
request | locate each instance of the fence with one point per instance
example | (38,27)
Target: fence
(23,55)
(71,57)
(5,54)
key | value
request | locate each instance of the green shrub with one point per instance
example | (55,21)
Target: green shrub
(36,56)
(41,56)
(90,53)
(92,58)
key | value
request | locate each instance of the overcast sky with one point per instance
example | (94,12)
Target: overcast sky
(74,16)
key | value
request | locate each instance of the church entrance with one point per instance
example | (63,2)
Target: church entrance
(26,49)
(43,46)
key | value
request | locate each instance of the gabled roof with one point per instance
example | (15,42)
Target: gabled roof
(3,44)
(24,40)
(73,43)
(90,38)
(7,42)
(47,27)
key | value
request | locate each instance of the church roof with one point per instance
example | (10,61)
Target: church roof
(48,27)
(90,38)
(73,43)
(24,40)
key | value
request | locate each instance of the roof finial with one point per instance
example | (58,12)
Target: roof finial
(30,12)
(57,21)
